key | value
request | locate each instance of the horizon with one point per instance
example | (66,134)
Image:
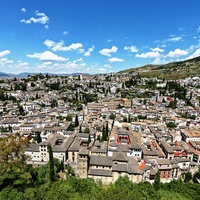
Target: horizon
(94,36)
(87,73)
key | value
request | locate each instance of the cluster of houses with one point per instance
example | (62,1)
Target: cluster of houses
(139,143)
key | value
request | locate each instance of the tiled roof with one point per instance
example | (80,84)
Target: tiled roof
(101,160)
(100,172)
(118,167)
(33,147)
(120,156)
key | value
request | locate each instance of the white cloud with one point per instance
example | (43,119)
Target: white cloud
(152,54)
(181,29)
(69,66)
(4,53)
(47,63)
(174,39)
(107,52)
(157,49)
(49,43)
(198,30)
(47,56)
(81,50)
(115,60)
(195,54)
(107,66)
(23,64)
(59,46)
(159,61)
(46,26)
(65,32)
(42,19)
(23,10)
(132,49)
(176,53)
(87,53)
(102,70)
(109,40)
(5,60)
(78,60)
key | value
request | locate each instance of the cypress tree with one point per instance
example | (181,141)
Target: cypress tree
(39,139)
(107,131)
(90,85)
(156,183)
(104,134)
(80,129)
(62,165)
(76,121)
(51,163)
(129,118)
(89,140)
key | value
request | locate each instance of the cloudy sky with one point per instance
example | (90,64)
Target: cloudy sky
(96,36)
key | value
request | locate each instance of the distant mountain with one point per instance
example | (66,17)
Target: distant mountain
(26,74)
(174,70)
(2,74)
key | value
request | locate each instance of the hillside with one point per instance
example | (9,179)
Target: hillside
(174,70)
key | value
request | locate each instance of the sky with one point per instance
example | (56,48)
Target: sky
(96,36)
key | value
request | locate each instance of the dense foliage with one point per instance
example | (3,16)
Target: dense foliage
(75,188)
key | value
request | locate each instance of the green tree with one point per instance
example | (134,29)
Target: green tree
(87,130)
(89,140)
(13,167)
(69,117)
(112,116)
(171,125)
(42,174)
(76,124)
(80,129)
(98,137)
(38,138)
(53,103)
(173,104)
(104,134)
(107,130)
(21,110)
(157,183)
(70,171)
(125,119)
(51,163)
(62,167)
(188,177)
(196,177)
(129,119)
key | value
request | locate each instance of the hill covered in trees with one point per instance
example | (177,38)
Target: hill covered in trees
(174,70)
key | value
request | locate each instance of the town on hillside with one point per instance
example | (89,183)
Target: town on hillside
(108,125)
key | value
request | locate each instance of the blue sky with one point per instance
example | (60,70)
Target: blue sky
(96,36)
